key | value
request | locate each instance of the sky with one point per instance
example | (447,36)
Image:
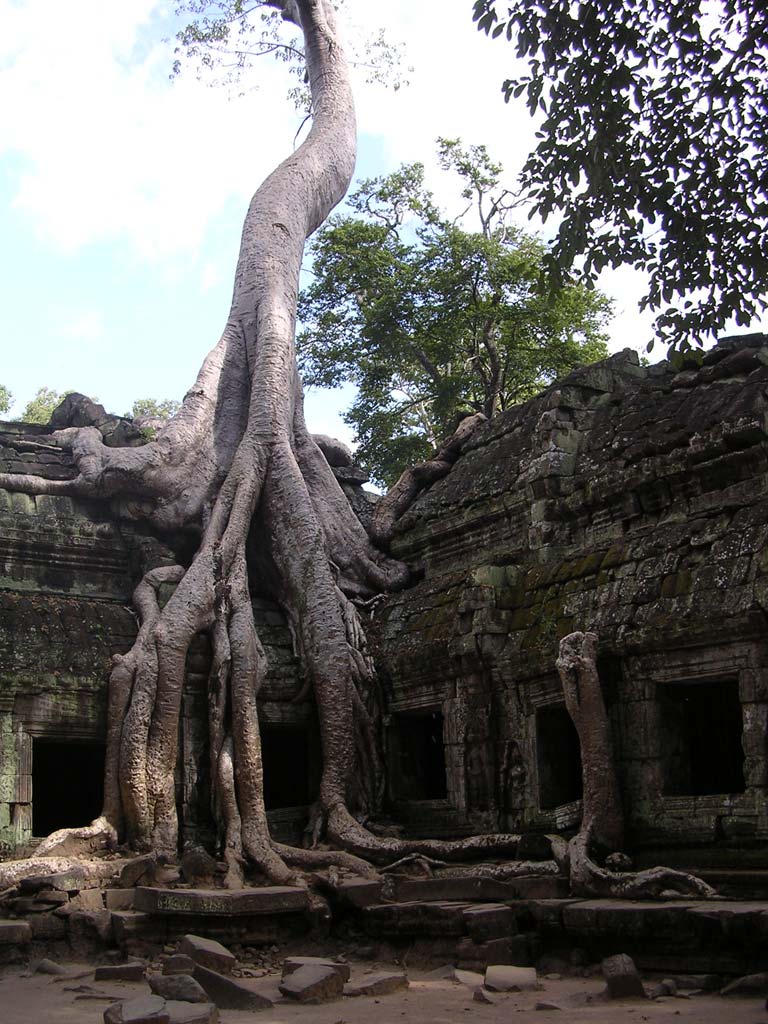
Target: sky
(122,192)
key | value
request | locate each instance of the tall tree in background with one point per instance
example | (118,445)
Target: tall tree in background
(653,146)
(6,399)
(429,319)
(237,470)
(39,408)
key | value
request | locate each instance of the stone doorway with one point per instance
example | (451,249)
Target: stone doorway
(67,783)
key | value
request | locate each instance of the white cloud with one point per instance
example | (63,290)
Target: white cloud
(109,148)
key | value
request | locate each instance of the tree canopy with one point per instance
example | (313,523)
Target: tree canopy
(153,408)
(39,408)
(653,146)
(429,319)
(6,398)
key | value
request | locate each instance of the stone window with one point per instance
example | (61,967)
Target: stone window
(417,755)
(558,757)
(285,755)
(701,728)
(67,784)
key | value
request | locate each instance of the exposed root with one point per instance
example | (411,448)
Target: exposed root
(414,480)
(589,879)
(97,837)
(12,871)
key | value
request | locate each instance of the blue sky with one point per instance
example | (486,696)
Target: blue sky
(122,193)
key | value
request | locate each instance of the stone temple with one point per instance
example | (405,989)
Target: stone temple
(626,500)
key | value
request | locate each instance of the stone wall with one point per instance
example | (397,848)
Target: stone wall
(627,500)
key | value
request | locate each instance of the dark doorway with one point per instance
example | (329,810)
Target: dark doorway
(417,756)
(701,738)
(285,756)
(67,784)
(558,757)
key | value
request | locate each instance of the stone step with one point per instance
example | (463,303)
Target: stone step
(361,893)
(274,899)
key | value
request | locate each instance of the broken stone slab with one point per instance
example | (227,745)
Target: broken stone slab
(142,1010)
(207,953)
(15,933)
(181,988)
(313,984)
(504,978)
(272,899)
(140,869)
(85,899)
(62,881)
(621,978)
(749,985)
(192,1013)
(46,966)
(481,996)
(179,963)
(380,984)
(469,978)
(120,972)
(544,1004)
(292,964)
(227,993)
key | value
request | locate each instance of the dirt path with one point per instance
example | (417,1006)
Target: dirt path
(40,999)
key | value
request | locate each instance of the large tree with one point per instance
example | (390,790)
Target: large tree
(432,318)
(652,146)
(236,468)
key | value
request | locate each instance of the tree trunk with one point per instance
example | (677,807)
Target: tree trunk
(238,452)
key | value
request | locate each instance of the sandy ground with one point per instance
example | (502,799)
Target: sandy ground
(78,999)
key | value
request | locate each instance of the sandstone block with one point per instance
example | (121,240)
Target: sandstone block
(179,963)
(489,922)
(180,988)
(621,977)
(293,963)
(227,993)
(481,996)
(192,1013)
(470,978)
(143,1010)
(120,972)
(208,953)
(749,985)
(504,978)
(380,984)
(313,984)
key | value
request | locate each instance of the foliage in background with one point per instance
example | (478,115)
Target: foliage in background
(6,399)
(653,146)
(430,320)
(39,408)
(152,408)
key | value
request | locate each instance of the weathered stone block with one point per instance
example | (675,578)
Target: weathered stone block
(227,993)
(179,963)
(179,987)
(293,963)
(489,922)
(208,953)
(313,984)
(15,933)
(276,899)
(503,978)
(621,978)
(381,984)
(120,972)
(142,1010)
(192,1013)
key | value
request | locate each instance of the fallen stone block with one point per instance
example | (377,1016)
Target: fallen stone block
(181,988)
(120,972)
(63,881)
(504,978)
(469,978)
(381,984)
(179,963)
(544,1004)
(313,984)
(208,953)
(749,985)
(46,966)
(481,996)
(15,933)
(621,978)
(192,1013)
(293,963)
(142,1010)
(227,993)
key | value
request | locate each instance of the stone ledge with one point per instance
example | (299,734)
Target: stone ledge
(275,899)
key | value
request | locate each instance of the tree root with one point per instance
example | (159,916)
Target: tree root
(13,871)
